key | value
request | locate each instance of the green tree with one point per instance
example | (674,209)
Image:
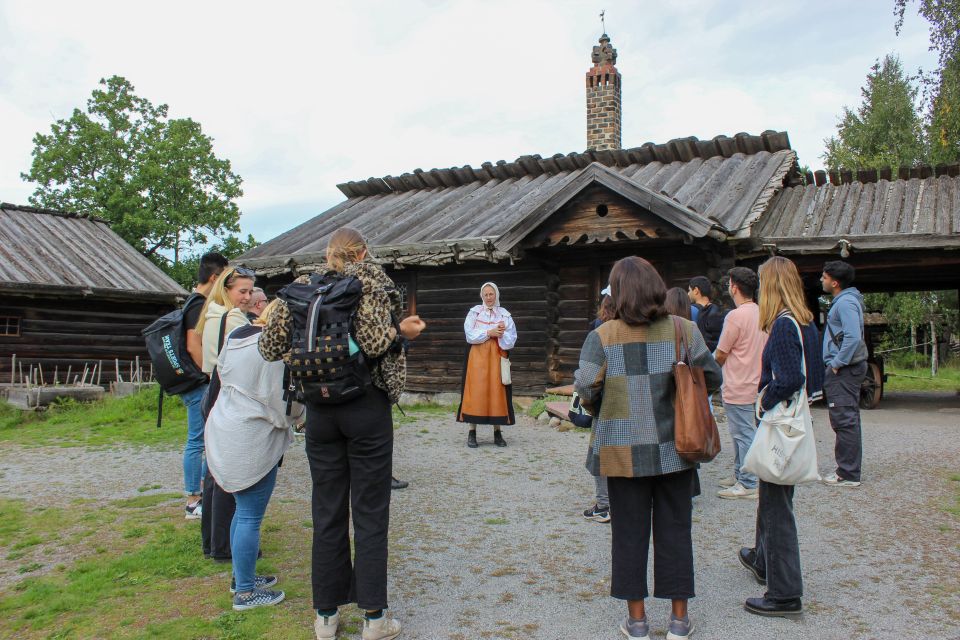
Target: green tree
(157,180)
(943,118)
(185,271)
(941,86)
(886,130)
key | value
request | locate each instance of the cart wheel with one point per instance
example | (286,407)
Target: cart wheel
(871,390)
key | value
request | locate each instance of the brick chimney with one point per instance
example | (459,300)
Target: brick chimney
(603,98)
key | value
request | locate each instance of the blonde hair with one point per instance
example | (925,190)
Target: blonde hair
(268,311)
(218,294)
(781,288)
(345,245)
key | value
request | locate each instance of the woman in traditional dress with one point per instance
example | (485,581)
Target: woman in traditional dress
(485,399)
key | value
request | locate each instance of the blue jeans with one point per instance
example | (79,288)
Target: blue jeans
(603,494)
(194,465)
(245,529)
(742,424)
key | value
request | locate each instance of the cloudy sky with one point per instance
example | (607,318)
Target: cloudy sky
(302,96)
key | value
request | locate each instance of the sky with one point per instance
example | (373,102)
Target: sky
(303,96)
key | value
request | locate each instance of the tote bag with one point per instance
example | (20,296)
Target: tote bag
(695,434)
(784,449)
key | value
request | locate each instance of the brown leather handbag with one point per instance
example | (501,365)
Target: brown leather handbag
(695,431)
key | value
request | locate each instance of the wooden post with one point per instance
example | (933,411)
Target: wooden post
(116,363)
(13,369)
(56,370)
(22,381)
(934,356)
(99,370)
(42,379)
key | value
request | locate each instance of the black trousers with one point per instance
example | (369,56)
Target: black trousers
(778,549)
(665,505)
(842,393)
(350,450)
(218,509)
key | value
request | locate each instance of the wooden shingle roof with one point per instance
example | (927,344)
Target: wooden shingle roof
(881,214)
(700,186)
(66,254)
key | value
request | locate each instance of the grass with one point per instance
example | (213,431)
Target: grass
(131,420)
(540,404)
(132,568)
(908,379)
(954,509)
(135,571)
(410,414)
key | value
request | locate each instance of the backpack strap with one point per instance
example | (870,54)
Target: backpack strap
(289,389)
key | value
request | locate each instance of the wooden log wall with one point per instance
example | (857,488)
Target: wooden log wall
(552,294)
(444,295)
(61,334)
(579,274)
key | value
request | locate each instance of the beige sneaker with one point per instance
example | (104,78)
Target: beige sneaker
(380,629)
(726,483)
(834,480)
(326,626)
(738,491)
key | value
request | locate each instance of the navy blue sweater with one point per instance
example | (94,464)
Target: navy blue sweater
(780,372)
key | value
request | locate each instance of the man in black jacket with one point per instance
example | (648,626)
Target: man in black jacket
(710,318)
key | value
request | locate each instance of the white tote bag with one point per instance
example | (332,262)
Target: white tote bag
(784,449)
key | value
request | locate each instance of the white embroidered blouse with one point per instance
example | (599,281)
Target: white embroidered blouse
(481,318)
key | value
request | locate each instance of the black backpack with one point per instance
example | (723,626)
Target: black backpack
(166,341)
(321,369)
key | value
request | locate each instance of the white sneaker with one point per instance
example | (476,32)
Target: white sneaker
(728,482)
(380,629)
(326,626)
(738,491)
(836,481)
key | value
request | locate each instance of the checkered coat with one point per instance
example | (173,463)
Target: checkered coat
(625,380)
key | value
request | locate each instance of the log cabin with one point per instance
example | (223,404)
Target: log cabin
(75,295)
(547,230)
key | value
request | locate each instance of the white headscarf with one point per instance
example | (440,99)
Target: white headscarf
(496,303)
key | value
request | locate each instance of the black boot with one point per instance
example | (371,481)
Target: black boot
(498,439)
(472,439)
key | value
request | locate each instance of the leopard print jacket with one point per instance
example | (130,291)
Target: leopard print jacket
(374,327)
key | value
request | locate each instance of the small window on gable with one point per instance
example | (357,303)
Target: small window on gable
(9,326)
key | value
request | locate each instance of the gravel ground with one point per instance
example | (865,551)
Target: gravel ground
(490,543)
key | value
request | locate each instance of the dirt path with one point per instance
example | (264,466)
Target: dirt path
(490,543)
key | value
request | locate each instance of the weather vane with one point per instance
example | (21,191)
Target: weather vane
(603,23)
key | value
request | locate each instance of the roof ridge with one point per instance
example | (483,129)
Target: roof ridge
(676,150)
(8,206)
(865,176)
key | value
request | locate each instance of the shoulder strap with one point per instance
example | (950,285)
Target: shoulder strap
(679,338)
(833,336)
(803,351)
(223,328)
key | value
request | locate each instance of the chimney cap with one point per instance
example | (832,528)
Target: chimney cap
(604,54)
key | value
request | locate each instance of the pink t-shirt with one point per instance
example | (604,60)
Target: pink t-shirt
(743,343)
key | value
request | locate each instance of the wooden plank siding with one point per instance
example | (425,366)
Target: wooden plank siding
(58,334)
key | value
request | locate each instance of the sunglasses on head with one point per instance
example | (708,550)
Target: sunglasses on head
(244,272)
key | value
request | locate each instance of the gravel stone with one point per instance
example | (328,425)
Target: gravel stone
(491,543)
